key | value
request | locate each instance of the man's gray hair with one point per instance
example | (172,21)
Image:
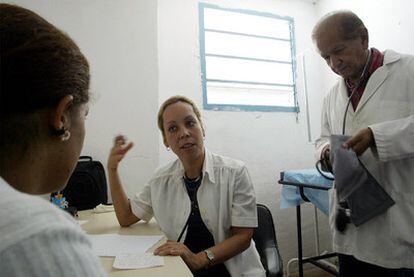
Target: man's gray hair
(348,22)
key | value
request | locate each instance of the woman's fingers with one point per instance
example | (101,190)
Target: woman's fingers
(119,139)
(173,248)
(119,146)
(169,252)
(128,147)
(118,151)
(122,150)
(170,249)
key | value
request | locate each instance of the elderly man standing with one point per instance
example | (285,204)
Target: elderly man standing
(380,121)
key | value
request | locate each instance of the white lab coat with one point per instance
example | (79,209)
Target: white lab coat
(226,198)
(387,107)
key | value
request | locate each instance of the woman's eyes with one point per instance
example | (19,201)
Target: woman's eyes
(191,123)
(172,129)
(188,124)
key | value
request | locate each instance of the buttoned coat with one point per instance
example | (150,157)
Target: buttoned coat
(387,107)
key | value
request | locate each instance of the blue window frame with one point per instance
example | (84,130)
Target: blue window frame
(247,60)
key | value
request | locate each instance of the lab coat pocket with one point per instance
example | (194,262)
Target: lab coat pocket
(402,218)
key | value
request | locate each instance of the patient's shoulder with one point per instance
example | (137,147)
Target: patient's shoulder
(25,215)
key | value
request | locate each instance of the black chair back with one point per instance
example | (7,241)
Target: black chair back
(265,239)
(87,186)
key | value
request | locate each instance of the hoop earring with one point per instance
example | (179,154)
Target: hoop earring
(62,133)
(65,136)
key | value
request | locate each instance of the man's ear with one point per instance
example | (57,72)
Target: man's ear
(59,116)
(363,32)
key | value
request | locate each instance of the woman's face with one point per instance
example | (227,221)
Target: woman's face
(183,132)
(78,131)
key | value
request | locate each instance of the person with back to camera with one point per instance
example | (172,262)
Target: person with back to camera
(43,105)
(380,120)
(203,202)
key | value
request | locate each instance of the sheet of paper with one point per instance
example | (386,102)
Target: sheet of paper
(110,245)
(135,261)
(103,209)
(81,222)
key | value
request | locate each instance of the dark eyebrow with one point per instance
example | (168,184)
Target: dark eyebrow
(170,122)
(189,117)
(338,47)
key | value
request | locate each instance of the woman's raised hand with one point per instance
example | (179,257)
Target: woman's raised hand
(118,151)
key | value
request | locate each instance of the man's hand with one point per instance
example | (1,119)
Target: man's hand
(325,159)
(361,141)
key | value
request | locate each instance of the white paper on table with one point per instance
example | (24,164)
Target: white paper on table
(135,261)
(103,209)
(81,222)
(110,245)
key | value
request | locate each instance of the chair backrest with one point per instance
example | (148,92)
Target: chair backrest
(87,186)
(265,239)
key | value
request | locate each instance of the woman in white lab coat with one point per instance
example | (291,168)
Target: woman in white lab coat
(203,202)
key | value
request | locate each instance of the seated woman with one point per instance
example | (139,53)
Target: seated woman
(43,104)
(203,202)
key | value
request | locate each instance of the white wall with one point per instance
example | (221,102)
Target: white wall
(269,142)
(119,39)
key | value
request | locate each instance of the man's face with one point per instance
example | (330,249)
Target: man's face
(345,57)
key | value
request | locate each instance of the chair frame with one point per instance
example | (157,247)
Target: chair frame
(266,244)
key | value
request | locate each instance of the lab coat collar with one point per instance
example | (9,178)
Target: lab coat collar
(378,78)
(391,56)
(208,169)
(344,94)
(374,82)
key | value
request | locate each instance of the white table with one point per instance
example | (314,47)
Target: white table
(106,223)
